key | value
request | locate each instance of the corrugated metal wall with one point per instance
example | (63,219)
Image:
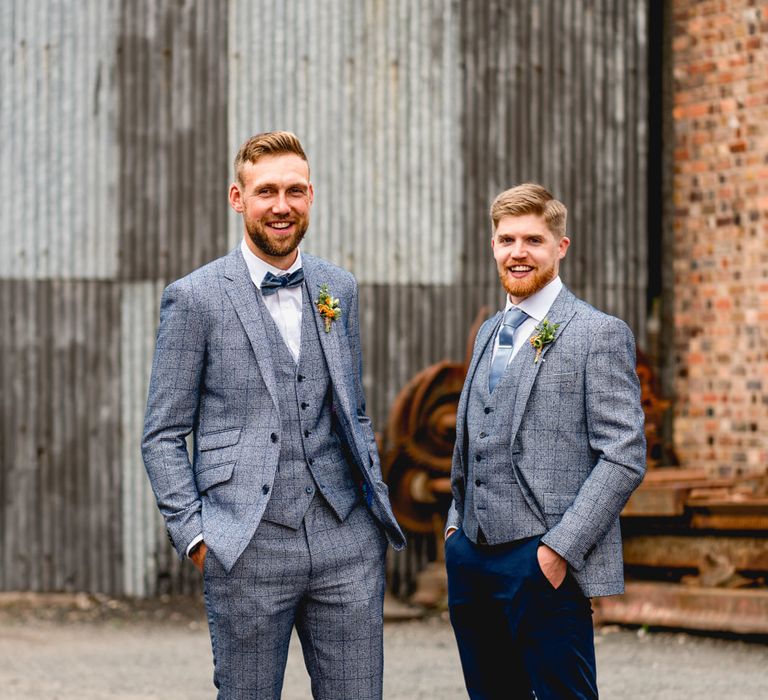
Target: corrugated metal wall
(119,122)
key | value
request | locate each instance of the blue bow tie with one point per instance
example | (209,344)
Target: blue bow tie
(271,283)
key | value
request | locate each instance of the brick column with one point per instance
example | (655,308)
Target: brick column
(720,67)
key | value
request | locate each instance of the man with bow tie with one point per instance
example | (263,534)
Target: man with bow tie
(282,506)
(549,447)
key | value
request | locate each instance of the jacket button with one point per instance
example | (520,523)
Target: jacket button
(265,489)
(273,437)
(310,461)
(482,435)
(300,378)
(306,433)
(304,405)
(309,489)
(478,482)
(478,458)
(487,410)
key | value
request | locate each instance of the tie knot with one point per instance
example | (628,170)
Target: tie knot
(514,317)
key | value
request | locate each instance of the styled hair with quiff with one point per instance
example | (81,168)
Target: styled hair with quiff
(531,198)
(269,143)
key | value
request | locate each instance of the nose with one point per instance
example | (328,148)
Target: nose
(518,250)
(280,205)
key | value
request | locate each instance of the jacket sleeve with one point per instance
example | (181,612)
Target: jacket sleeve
(353,334)
(172,408)
(615,430)
(454,518)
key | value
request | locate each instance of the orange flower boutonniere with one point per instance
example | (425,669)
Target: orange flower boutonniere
(328,307)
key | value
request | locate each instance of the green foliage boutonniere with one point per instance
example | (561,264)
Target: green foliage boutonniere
(544,335)
(328,307)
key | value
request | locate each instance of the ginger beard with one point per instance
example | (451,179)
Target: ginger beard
(535,280)
(274,244)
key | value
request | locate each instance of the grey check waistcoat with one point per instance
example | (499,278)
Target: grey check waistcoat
(494,502)
(311,457)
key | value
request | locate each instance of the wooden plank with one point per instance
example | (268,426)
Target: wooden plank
(729,521)
(743,611)
(696,552)
(656,502)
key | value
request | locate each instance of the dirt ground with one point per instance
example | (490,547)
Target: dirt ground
(86,648)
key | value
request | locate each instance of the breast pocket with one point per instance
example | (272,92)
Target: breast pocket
(556,381)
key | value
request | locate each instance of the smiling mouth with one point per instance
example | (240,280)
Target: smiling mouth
(520,269)
(280,225)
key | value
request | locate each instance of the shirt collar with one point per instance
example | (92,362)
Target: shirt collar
(257,267)
(537,305)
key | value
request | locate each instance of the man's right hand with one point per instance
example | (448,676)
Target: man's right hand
(198,556)
(449,532)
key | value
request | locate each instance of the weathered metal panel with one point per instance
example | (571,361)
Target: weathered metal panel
(555,92)
(372,89)
(60,511)
(57,155)
(120,121)
(171,113)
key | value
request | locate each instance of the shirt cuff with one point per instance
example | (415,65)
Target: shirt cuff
(194,543)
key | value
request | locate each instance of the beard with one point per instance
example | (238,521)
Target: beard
(277,248)
(521,289)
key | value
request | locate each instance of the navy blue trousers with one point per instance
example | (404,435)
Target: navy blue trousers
(518,637)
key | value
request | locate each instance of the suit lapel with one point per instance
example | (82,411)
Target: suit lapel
(335,349)
(561,312)
(242,294)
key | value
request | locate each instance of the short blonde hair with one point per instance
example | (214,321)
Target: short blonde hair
(269,143)
(531,198)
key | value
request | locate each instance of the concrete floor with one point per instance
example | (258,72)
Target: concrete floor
(51,652)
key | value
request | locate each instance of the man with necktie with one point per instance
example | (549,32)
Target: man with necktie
(282,506)
(549,447)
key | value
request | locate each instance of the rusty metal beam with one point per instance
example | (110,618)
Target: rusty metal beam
(741,611)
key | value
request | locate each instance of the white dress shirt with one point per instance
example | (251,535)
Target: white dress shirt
(284,306)
(537,307)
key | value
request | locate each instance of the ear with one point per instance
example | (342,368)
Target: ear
(311,193)
(562,247)
(236,198)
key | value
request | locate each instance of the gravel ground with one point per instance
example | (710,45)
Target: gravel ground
(67,648)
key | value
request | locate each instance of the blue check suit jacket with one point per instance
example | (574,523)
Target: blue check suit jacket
(577,446)
(213,377)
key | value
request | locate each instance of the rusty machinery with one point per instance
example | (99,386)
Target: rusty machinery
(694,546)
(421,431)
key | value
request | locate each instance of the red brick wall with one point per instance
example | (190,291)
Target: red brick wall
(720,77)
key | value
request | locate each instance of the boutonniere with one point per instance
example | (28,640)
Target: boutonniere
(544,334)
(328,307)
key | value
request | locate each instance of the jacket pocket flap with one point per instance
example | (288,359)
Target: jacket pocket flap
(558,503)
(214,475)
(222,438)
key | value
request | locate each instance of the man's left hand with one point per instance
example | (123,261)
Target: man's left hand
(552,565)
